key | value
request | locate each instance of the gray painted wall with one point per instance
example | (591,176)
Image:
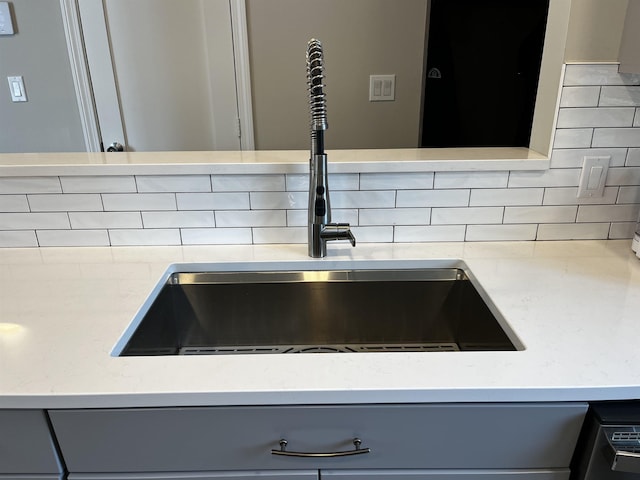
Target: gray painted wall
(49,121)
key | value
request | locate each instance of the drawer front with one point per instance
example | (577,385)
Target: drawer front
(269,475)
(241,438)
(26,445)
(561,474)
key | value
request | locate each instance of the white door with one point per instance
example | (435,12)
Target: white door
(163,74)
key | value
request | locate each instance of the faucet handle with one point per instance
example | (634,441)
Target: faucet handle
(338,231)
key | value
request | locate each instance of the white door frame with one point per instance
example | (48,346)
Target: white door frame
(84,88)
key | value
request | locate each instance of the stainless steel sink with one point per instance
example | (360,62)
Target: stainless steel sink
(409,310)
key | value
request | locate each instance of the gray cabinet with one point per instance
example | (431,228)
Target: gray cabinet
(430,441)
(27,449)
(629,53)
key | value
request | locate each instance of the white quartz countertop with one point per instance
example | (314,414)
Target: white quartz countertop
(574,305)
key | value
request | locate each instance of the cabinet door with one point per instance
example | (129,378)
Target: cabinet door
(560,474)
(240,475)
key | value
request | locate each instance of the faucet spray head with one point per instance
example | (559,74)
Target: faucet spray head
(315,85)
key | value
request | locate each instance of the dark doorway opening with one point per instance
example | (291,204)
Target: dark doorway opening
(483,63)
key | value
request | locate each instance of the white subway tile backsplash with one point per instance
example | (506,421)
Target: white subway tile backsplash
(595,117)
(213,201)
(433,198)
(574,158)
(573,231)
(182,219)
(633,158)
(608,213)
(98,184)
(573,138)
(279,235)
(98,220)
(173,183)
(338,181)
(374,234)
(73,238)
(636,121)
(396,181)
(470,179)
(616,137)
(21,185)
(127,202)
(363,199)
(216,236)
(580,97)
(437,233)
(248,183)
(33,221)
(629,195)
(24,238)
(251,218)
(623,176)
(620,96)
(492,197)
(598,74)
(558,177)
(560,214)
(68,202)
(394,216)
(13,203)
(622,230)
(569,196)
(151,236)
(498,233)
(464,216)
(279,200)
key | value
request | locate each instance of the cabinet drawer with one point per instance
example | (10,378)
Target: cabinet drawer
(26,445)
(241,438)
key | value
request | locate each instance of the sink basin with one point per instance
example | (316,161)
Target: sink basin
(267,312)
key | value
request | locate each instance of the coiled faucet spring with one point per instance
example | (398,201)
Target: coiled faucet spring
(315,78)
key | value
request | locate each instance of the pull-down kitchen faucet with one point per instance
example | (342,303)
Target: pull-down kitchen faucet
(321,230)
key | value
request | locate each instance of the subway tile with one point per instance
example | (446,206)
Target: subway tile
(463,216)
(433,198)
(558,177)
(574,158)
(622,230)
(372,234)
(24,238)
(498,233)
(298,218)
(99,184)
(470,179)
(124,202)
(573,231)
(608,213)
(620,96)
(492,197)
(73,238)
(216,236)
(394,216)
(438,233)
(629,195)
(396,181)
(279,200)
(569,196)
(30,185)
(68,202)
(173,183)
(97,220)
(279,235)
(248,183)
(616,137)
(33,221)
(594,74)
(633,158)
(338,181)
(13,203)
(135,237)
(251,218)
(560,214)
(363,199)
(213,201)
(182,219)
(580,97)
(636,121)
(595,117)
(623,176)
(573,138)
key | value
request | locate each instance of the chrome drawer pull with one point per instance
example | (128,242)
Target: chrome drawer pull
(356,442)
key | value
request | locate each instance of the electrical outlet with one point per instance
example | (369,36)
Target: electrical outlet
(382,88)
(593,177)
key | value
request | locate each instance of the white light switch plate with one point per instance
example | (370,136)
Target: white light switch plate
(382,88)
(6,24)
(593,177)
(16,87)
